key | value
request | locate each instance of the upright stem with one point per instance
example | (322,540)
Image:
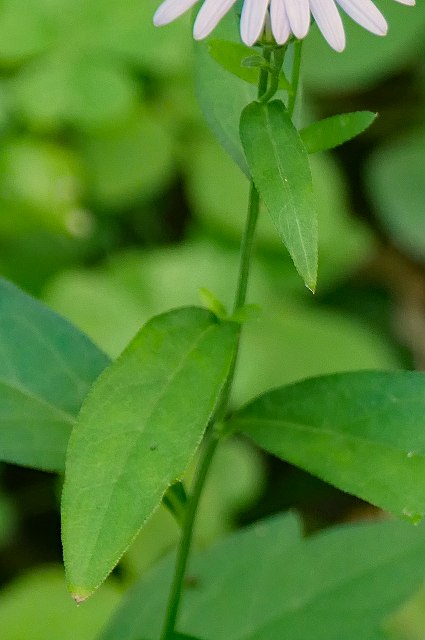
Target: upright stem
(208,450)
(295,79)
(246,246)
(212,438)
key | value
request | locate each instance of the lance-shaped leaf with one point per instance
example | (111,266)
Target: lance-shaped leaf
(136,434)
(363,432)
(46,369)
(334,131)
(278,163)
(267,583)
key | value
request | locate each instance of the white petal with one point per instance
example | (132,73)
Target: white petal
(252,20)
(329,22)
(411,3)
(170,10)
(280,23)
(298,12)
(209,16)
(366,15)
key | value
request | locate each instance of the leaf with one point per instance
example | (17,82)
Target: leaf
(334,131)
(267,583)
(136,435)
(212,302)
(230,56)
(343,241)
(363,432)
(46,369)
(222,96)
(395,176)
(279,167)
(36,606)
(175,499)
(239,60)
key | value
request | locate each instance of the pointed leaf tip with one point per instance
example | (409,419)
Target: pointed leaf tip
(79,598)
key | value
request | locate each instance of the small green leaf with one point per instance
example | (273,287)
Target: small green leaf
(255,61)
(279,167)
(232,56)
(175,499)
(46,369)
(241,61)
(136,435)
(268,583)
(212,303)
(334,131)
(363,432)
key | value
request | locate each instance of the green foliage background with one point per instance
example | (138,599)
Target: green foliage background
(116,203)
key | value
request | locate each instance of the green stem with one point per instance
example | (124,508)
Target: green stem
(295,80)
(212,438)
(210,445)
(278,57)
(246,246)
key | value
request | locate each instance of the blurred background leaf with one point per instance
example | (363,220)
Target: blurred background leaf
(37,607)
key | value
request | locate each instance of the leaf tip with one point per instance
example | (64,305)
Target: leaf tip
(80,596)
(414,518)
(311,285)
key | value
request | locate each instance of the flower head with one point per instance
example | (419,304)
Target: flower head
(286,17)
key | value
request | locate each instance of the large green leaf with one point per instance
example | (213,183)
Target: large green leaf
(46,369)
(136,435)
(279,166)
(363,432)
(266,583)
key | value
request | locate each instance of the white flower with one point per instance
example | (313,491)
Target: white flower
(286,17)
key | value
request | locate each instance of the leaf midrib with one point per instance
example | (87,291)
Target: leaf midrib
(26,393)
(288,190)
(124,469)
(300,426)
